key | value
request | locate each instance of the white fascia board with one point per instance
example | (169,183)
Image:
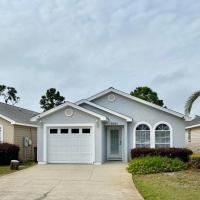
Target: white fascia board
(7,119)
(24,124)
(128,119)
(48,112)
(192,126)
(137,100)
(103,118)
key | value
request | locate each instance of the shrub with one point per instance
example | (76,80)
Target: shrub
(181,153)
(155,164)
(8,152)
(195,161)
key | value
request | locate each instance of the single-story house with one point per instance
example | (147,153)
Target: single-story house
(105,127)
(16,128)
(193,134)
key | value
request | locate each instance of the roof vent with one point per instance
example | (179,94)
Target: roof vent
(69,112)
(111,97)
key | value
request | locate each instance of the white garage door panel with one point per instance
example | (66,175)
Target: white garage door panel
(70,148)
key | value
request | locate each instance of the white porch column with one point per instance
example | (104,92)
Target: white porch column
(126,143)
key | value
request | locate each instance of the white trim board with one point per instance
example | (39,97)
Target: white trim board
(67,103)
(192,126)
(177,114)
(7,119)
(1,139)
(128,119)
(22,124)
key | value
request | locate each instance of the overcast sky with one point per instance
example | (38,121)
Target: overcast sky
(82,47)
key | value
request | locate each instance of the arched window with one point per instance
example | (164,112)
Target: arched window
(142,136)
(162,136)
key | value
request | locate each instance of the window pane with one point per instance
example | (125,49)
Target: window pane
(162,127)
(162,136)
(86,130)
(75,130)
(142,136)
(64,130)
(53,131)
(142,127)
(162,145)
(189,136)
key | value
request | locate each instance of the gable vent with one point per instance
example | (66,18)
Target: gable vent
(111,97)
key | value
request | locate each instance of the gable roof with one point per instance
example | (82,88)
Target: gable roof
(17,115)
(111,89)
(128,119)
(193,123)
(67,103)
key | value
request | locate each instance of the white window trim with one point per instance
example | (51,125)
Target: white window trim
(1,139)
(170,128)
(134,133)
(46,126)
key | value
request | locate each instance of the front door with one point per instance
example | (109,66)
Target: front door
(114,144)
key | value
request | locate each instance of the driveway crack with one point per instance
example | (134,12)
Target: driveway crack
(45,194)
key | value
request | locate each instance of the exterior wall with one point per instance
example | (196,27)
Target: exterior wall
(78,117)
(143,113)
(194,143)
(25,153)
(138,111)
(8,131)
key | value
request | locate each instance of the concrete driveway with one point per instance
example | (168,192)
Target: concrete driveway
(70,182)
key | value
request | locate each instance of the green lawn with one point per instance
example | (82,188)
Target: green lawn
(184,185)
(6,169)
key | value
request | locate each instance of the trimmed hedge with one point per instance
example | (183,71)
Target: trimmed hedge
(181,153)
(155,164)
(8,152)
(195,161)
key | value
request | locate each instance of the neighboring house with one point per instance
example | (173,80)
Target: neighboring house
(105,127)
(15,125)
(193,134)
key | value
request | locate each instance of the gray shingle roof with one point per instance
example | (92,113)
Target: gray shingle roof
(17,114)
(193,122)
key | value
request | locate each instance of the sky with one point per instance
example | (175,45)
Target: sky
(83,47)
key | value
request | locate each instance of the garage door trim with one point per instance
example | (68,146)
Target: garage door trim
(46,126)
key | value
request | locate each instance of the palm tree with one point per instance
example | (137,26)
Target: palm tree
(190,101)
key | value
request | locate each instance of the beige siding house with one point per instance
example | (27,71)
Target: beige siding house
(193,134)
(16,128)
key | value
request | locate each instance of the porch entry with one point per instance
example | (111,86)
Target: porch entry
(114,143)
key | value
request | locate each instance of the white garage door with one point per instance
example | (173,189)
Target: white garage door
(70,145)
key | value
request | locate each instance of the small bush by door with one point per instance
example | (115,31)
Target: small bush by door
(8,152)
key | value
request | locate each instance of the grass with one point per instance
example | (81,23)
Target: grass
(6,169)
(183,185)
